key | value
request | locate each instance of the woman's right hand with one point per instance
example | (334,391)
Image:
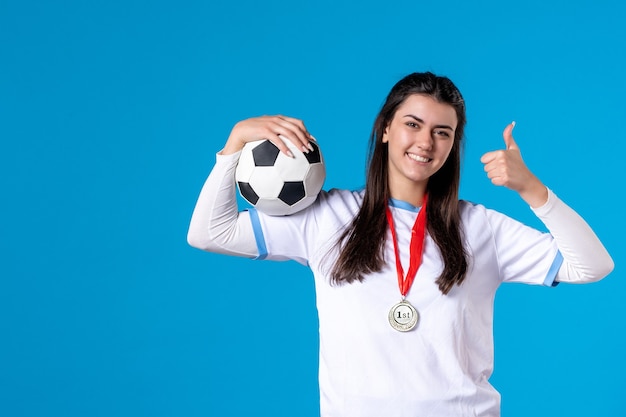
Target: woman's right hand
(273,128)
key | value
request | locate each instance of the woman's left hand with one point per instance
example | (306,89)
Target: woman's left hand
(506,168)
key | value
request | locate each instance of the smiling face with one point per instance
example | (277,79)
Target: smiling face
(419,137)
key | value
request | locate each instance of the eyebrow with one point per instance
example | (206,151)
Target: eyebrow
(421,121)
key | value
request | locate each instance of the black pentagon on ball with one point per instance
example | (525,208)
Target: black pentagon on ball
(292,192)
(248,193)
(314,156)
(265,154)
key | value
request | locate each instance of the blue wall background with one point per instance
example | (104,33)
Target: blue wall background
(111,113)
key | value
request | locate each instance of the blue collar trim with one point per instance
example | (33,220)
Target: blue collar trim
(403,205)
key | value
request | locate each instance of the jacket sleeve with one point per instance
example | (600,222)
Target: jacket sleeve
(585,259)
(216,224)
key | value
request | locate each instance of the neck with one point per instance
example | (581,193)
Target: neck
(412,195)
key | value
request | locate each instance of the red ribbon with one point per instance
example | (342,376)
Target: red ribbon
(416,249)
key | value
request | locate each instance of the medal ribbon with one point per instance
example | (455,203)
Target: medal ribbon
(416,249)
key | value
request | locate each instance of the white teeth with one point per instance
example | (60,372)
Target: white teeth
(418,158)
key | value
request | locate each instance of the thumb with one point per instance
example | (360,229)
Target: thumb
(508,137)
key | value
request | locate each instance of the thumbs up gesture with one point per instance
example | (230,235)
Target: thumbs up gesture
(505,167)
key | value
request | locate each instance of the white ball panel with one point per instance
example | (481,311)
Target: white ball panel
(266,182)
(245,166)
(273,207)
(314,181)
(302,204)
(292,169)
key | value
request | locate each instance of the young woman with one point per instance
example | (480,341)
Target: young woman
(405,273)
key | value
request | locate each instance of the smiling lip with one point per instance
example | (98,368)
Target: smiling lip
(418,158)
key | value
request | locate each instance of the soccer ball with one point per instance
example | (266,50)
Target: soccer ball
(276,184)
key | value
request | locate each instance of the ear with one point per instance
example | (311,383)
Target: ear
(385,139)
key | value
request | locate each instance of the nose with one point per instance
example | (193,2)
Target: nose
(424,140)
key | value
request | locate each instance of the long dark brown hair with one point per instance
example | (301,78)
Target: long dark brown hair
(362,243)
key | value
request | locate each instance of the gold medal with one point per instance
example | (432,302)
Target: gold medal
(403,316)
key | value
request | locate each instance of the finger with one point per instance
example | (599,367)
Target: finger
(496,175)
(279,131)
(488,157)
(499,181)
(490,167)
(274,130)
(299,123)
(280,142)
(296,132)
(507,134)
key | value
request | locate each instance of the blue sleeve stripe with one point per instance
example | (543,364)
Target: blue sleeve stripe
(258,234)
(550,280)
